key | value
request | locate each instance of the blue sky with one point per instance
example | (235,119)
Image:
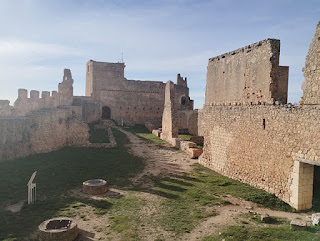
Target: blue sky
(39,38)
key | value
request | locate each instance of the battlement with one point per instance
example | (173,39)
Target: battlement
(24,105)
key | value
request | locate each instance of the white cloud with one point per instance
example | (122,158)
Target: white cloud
(21,49)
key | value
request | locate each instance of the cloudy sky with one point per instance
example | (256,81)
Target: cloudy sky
(159,38)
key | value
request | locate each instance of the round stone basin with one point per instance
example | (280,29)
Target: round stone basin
(94,187)
(62,229)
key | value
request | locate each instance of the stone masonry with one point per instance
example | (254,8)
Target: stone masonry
(129,101)
(246,76)
(272,147)
(35,125)
(311,85)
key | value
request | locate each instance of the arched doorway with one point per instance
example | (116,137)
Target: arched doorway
(183,100)
(106,113)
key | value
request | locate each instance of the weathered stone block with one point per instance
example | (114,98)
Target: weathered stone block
(298,225)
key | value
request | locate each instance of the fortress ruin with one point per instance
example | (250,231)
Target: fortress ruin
(250,132)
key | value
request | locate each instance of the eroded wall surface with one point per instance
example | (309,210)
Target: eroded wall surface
(42,131)
(247,76)
(258,145)
(311,85)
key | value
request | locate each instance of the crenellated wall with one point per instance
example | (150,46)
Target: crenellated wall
(24,104)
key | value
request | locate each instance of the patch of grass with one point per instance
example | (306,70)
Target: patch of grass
(98,135)
(57,173)
(250,233)
(144,133)
(185,137)
(222,185)
(185,203)
(125,218)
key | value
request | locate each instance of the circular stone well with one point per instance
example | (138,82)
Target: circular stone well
(94,187)
(58,229)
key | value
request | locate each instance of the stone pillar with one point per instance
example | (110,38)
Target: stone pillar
(311,84)
(65,88)
(301,186)
(169,120)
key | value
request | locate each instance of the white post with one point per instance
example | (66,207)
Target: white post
(32,189)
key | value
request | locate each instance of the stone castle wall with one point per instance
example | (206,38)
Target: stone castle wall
(42,131)
(130,101)
(250,75)
(258,145)
(272,147)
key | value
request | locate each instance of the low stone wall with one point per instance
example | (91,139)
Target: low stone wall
(41,131)
(238,141)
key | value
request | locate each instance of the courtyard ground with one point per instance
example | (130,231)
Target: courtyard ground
(156,193)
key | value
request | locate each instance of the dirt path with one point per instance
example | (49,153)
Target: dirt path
(162,159)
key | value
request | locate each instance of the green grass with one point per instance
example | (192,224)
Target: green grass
(125,218)
(57,173)
(253,233)
(185,137)
(98,135)
(221,185)
(190,198)
(144,133)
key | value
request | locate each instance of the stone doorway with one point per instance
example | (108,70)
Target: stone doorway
(106,113)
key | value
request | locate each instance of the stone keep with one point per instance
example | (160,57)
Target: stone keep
(130,101)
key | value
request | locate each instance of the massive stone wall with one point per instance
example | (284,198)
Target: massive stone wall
(42,131)
(130,101)
(311,85)
(246,76)
(273,147)
(258,145)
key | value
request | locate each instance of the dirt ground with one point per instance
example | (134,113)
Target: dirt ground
(167,160)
